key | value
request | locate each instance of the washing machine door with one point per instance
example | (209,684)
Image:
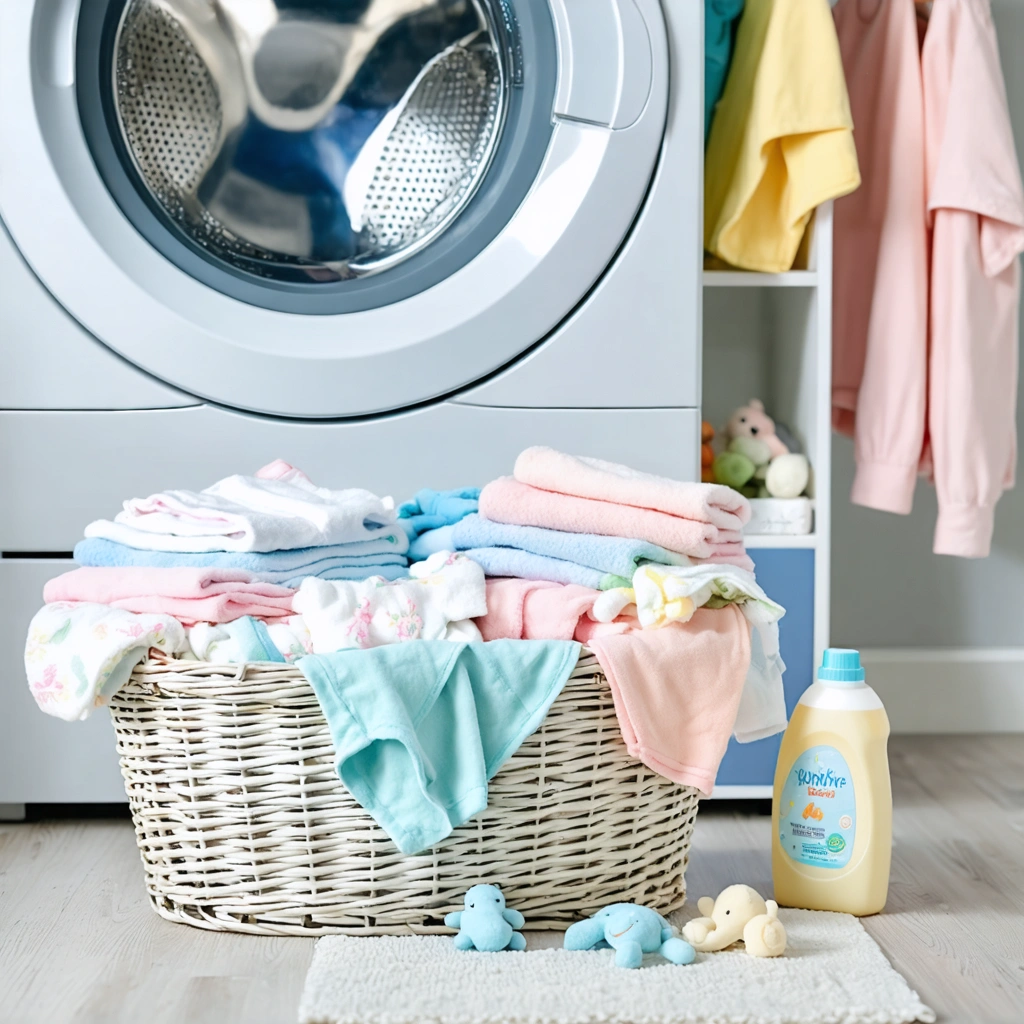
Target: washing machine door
(326,208)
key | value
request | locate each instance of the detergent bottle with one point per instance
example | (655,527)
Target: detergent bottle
(832,802)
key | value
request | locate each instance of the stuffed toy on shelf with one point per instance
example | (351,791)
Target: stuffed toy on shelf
(757,461)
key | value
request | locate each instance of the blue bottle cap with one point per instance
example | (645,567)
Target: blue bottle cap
(839,665)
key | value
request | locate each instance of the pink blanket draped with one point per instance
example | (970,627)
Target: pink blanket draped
(506,500)
(583,477)
(677,691)
(190,595)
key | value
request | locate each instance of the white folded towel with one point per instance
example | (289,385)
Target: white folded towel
(278,509)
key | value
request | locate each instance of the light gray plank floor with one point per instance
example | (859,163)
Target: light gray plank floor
(78,942)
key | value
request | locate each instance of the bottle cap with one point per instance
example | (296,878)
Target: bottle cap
(839,665)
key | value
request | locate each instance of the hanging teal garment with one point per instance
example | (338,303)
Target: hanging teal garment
(719,22)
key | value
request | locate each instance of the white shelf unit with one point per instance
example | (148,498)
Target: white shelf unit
(769,336)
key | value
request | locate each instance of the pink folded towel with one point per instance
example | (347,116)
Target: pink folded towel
(541,610)
(190,595)
(677,691)
(506,500)
(583,477)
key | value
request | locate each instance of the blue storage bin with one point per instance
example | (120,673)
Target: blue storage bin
(787,575)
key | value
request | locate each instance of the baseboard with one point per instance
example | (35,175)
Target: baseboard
(949,690)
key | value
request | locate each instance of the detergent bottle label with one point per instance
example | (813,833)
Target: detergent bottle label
(818,810)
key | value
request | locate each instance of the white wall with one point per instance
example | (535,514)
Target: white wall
(888,589)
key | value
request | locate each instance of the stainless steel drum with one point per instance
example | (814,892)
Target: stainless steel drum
(324,139)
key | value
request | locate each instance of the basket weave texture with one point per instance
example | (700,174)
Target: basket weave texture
(244,825)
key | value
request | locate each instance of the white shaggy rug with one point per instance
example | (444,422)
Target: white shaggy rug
(832,973)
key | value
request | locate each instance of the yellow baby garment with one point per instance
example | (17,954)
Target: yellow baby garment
(782,139)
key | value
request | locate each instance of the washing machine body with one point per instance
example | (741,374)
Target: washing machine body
(390,241)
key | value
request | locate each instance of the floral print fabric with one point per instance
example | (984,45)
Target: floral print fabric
(79,654)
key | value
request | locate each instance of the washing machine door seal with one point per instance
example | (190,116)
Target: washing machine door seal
(607,121)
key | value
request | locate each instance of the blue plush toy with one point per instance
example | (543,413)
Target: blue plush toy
(631,931)
(486,924)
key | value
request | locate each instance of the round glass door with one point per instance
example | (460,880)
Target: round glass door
(299,146)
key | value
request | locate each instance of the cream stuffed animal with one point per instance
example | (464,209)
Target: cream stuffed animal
(738,913)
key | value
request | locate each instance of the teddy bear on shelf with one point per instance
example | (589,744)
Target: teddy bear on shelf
(757,461)
(751,420)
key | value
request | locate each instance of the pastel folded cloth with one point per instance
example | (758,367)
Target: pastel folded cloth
(612,556)
(506,500)
(277,509)
(584,477)
(519,609)
(250,640)
(420,729)
(663,594)
(447,589)
(78,655)
(384,556)
(190,595)
(430,510)
(529,566)
(677,691)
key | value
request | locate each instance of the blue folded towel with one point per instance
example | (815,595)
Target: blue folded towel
(383,556)
(429,543)
(618,556)
(419,728)
(528,566)
(583,558)
(430,510)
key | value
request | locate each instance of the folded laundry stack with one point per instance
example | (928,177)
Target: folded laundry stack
(277,525)
(650,573)
(555,491)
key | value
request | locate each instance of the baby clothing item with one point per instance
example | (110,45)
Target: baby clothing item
(880,284)
(78,655)
(781,142)
(448,588)
(551,470)
(190,595)
(420,729)
(279,508)
(664,594)
(677,691)
(670,593)
(520,609)
(927,272)
(507,500)
(719,28)
(976,207)
(430,510)
(384,556)
(250,640)
(529,566)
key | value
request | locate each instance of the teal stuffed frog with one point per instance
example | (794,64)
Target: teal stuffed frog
(631,931)
(486,923)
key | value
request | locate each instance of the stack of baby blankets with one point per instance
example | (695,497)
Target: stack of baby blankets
(277,525)
(575,520)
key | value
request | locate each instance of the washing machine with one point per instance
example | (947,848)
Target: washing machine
(393,242)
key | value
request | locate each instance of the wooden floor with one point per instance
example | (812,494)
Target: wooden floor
(79,943)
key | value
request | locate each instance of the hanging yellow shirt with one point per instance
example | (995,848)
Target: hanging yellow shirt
(782,139)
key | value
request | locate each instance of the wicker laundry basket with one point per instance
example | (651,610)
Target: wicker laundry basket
(244,825)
